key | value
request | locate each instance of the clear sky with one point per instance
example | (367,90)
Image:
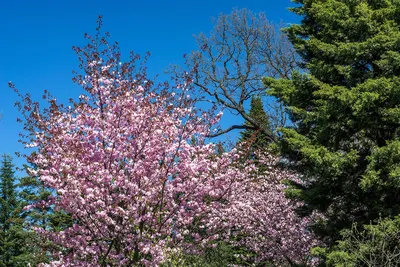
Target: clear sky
(36,39)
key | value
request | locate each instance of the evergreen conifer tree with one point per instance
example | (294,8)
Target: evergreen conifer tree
(31,191)
(19,243)
(10,230)
(345,108)
(257,138)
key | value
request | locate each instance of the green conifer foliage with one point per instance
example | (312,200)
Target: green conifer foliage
(373,245)
(19,243)
(9,221)
(32,191)
(345,108)
(257,138)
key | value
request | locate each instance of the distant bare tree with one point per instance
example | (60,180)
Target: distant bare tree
(243,48)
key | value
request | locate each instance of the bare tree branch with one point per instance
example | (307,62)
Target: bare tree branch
(243,48)
(221,132)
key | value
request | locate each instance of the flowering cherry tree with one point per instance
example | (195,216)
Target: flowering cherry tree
(263,219)
(122,161)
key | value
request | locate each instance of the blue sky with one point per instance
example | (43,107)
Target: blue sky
(37,36)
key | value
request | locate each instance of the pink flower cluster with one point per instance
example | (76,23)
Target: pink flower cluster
(262,219)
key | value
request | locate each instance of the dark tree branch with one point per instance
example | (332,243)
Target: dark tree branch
(243,48)
(233,127)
